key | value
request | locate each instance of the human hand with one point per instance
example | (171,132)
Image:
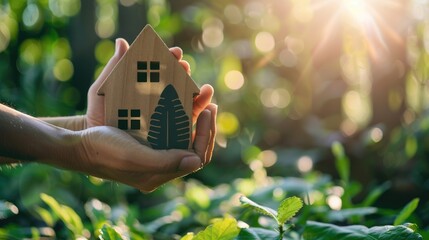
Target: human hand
(95,112)
(125,159)
(110,153)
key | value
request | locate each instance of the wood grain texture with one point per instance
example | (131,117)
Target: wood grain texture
(122,90)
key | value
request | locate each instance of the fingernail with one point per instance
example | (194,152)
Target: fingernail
(190,163)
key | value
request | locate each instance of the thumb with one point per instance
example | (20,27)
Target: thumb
(121,47)
(190,164)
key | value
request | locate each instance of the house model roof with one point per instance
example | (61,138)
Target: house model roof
(148,93)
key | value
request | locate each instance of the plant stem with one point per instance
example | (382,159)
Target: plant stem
(281,231)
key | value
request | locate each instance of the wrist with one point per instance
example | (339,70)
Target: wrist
(61,149)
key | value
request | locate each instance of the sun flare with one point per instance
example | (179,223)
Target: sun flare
(358,10)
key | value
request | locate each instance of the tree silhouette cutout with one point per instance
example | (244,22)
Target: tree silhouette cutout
(169,124)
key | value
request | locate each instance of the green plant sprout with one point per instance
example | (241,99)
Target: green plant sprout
(287,209)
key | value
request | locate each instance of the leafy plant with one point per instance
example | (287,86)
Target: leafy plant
(406,211)
(66,214)
(108,233)
(323,231)
(287,209)
(225,228)
(169,125)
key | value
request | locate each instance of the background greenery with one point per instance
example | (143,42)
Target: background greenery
(293,79)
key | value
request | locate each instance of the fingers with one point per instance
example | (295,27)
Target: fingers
(177,52)
(148,160)
(169,169)
(186,66)
(202,101)
(213,109)
(202,135)
(121,47)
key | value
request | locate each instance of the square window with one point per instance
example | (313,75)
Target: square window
(135,112)
(141,65)
(123,124)
(122,113)
(142,77)
(154,65)
(135,124)
(154,76)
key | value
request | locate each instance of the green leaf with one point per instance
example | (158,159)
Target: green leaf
(259,208)
(375,194)
(257,234)
(35,235)
(342,163)
(46,216)
(52,203)
(323,231)
(411,146)
(108,233)
(169,125)
(72,220)
(65,213)
(288,208)
(223,229)
(406,211)
(188,236)
(344,214)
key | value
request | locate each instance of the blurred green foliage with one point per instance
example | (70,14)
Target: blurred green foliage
(293,80)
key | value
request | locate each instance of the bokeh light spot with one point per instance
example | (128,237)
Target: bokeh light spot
(357,107)
(288,58)
(4,36)
(31,15)
(61,49)
(302,12)
(233,14)
(105,27)
(227,123)
(31,51)
(61,8)
(348,127)
(127,3)
(212,36)
(334,202)
(376,135)
(104,51)
(234,80)
(336,190)
(305,164)
(264,42)
(279,98)
(279,193)
(268,157)
(63,70)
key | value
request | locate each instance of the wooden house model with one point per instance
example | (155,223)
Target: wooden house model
(150,95)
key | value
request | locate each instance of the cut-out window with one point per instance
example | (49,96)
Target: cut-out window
(129,120)
(148,71)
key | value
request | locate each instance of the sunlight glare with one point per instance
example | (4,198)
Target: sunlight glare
(358,10)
